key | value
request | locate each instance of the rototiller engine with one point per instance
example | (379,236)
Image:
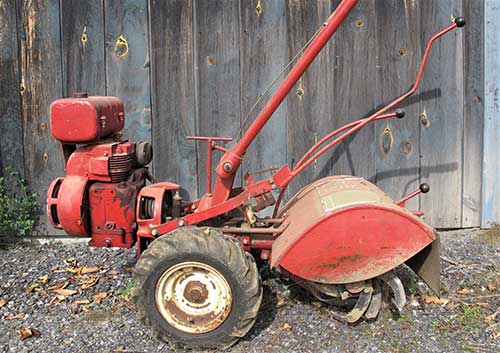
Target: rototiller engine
(196,283)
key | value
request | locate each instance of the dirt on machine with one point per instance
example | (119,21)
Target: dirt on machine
(197,281)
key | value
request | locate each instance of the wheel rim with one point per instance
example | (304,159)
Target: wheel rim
(193,297)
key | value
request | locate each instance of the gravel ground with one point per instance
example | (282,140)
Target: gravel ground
(463,320)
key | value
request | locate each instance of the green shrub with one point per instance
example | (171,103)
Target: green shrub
(18,207)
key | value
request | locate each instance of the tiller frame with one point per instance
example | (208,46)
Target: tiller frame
(218,202)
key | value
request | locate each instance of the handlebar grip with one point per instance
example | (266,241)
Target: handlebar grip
(460,22)
(425,188)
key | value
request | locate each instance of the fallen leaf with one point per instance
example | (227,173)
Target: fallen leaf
(44,279)
(85,309)
(280,302)
(492,317)
(452,305)
(56,300)
(59,285)
(81,302)
(2,302)
(15,317)
(74,270)
(430,299)
(114,273)
(89,282)
(31,288)
(464,291)
(99,296)
(42,292)
(86,270)
(286,327)
(28,332)
(65,292)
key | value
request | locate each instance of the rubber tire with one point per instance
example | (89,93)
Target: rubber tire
(210,246)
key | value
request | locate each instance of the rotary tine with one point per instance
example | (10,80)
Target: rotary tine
(397,288)
(359,308)
(376,302)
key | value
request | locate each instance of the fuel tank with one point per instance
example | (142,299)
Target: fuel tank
(343,229)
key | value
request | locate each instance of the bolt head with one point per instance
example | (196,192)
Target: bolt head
(227,166)
(181,223)
(154,232)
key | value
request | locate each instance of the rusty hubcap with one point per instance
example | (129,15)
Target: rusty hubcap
(193,297)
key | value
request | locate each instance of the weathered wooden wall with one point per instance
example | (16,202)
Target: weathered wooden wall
(188,67)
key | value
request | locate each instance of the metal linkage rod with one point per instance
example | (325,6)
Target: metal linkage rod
(230,161)
(358,125)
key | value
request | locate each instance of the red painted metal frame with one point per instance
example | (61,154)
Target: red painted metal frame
(210,147)
(210,206)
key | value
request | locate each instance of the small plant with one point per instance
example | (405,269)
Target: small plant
(125,292)
(18,207)
(471,317)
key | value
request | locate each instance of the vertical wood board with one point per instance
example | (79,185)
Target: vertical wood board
(127,63)
(217,76)
(263,54)
(473,112)
(397,142)
(441,137)
(309,104)
(41,83)
(173,95)
(491,160)
(11,147)
(355,53)
(83,47)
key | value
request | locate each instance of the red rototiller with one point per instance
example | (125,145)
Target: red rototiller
(196,282)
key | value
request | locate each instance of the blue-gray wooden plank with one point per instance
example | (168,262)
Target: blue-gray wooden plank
(173,93)
(398,141)
(83,47)
(309,104)
(473,112)
(491,156)
(263,53)
(41,83)
(218,75)
(441,137)
(127,63)
(354,97)
(11,147)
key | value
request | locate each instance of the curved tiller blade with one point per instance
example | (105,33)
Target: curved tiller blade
(359,308)
(398,291)
(376,303)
